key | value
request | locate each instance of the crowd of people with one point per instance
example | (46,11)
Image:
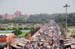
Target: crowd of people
(44,45)
(48,37)
(39,45)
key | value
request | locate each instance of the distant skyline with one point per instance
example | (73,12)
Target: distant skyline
(36,6)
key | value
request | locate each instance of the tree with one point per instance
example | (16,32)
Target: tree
(71,19)
(17,32)
(34,30)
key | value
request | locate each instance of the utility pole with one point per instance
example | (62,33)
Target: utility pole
(66,7)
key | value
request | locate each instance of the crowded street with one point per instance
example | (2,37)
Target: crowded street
(47,37)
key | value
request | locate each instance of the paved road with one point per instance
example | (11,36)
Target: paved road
(47,32)
(50,31)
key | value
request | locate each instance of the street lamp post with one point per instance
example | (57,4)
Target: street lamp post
(66,6)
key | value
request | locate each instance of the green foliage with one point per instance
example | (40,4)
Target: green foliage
(39,18)
(20,28)
(34,30)
(42,18)
(14,29)
(8,29)
(61,18)
(71,19)
(73,36)
(17,32)
(62,33)
(26,34)
(2,29)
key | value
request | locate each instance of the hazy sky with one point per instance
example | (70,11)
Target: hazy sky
(36,6)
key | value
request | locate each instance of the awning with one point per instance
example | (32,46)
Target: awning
(14,45)
(68,44)
(21,44)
